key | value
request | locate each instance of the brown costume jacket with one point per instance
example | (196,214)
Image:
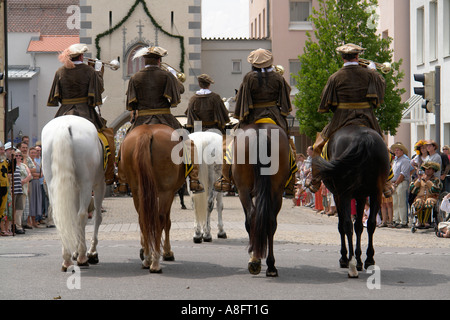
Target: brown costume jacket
(209,109)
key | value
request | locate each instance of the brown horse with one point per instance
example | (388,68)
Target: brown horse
(154,177)
(260,171)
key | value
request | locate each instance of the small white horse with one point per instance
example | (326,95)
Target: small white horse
(73,167)
(209,157)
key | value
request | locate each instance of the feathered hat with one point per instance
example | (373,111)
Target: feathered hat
(73,51)
(150,52)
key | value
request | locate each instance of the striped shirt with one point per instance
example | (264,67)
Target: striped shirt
(17,181)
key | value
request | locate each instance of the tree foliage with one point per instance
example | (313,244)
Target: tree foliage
(335,23)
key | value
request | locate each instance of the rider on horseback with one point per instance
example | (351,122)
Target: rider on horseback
(263,94)
(207,107)
(78,88)
(151,93)
(352,93)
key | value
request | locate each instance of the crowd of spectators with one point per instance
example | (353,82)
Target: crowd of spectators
(24,199)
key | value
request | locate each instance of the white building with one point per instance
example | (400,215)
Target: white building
(430,48)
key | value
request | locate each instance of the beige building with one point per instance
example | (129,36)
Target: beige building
(117,29)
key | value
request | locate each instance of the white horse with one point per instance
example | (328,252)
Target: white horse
(73,167)
(209,154)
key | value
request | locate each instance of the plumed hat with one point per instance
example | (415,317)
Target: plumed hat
(150,52)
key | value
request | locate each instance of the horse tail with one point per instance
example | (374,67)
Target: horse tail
(349,165)
(262,217)
(63,186)
(149,220)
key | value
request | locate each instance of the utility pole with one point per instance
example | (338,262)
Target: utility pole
(3,69)
(437,104)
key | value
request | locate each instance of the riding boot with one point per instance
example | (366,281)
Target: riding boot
(224,184)
(195,185)
(122,188)
(289,190)
(314,183)
(110,177)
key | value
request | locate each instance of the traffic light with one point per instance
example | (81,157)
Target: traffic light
(427,91)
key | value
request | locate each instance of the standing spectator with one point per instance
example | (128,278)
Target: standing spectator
(22,176)
(419,158)
(38,162)
(35,198)
(23,147)
(308,175)
(401,169)
(433,155)
(445,150)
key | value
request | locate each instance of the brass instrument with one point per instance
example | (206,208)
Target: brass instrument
(180,75)
(383,67)
(279,69)
(113,64)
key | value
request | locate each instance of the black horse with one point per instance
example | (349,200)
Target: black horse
(358,168)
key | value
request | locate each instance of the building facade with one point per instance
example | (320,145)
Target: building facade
(430,48)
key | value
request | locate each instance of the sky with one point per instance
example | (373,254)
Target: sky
(225,19)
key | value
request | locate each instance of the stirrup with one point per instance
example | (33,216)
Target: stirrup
(122,189)
(221,185)
(199,187)
(312,187)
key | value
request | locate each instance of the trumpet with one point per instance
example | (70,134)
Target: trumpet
(180,75)
(279,69)
(383,67)
(113,64)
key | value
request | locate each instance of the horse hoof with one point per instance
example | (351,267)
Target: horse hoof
(368,264)
(93,258)
(64,268)
(168,256)
(197,239)
(222,235)
(359,266)
(207,239)
(254,267)
(83,264)
(272,273)
(343,263)
(155,270)
(352,276)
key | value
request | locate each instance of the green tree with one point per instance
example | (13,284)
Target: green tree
(337,22)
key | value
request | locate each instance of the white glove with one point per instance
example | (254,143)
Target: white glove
(372,65)
(172,71)
(98,65)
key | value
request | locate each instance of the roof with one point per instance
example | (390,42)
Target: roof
(43,16)
(52,43)
(21,72)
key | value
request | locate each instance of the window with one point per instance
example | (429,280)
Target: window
(420,35)
(294,69)
(299,12)
(447,28)
(134,66)
(433,30)
(236,66)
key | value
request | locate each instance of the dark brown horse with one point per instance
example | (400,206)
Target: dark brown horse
(260,171)
(147,159)
(357,169)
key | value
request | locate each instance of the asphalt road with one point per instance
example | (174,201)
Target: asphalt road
(409,266)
